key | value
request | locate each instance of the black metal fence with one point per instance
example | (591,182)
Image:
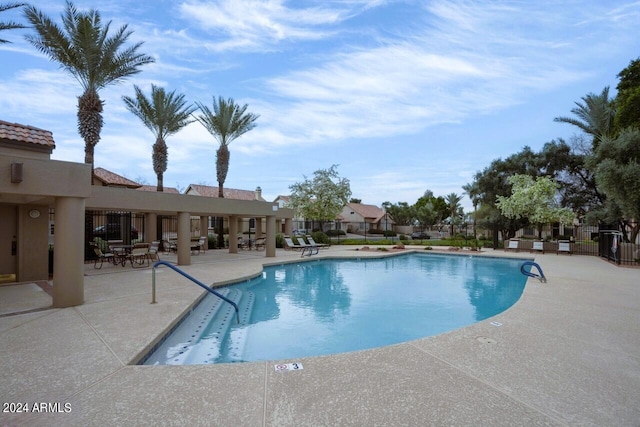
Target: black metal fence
(586,240)
(100,227)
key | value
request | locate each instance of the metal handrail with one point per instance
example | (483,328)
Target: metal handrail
(193,279)
(530,274)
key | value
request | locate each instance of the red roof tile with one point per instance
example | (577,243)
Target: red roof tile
(229,193)
(16,132)
(113,179)
(155,188)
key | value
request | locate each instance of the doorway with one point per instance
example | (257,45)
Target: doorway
(8,243)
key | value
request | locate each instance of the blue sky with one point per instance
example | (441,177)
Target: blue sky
(404,96)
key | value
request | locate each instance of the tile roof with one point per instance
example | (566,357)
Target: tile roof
(153,188)
(367,211)
(229,193)
(111,179)
(16,132)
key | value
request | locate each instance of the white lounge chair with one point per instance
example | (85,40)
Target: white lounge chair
(513,244)
(538,246)
(564,246)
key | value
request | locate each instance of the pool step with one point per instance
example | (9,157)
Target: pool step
(198,338)
(238,336)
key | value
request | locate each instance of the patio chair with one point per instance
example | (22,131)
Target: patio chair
(169,247)
(102,257)
(201,244)
(317,245)
(260,242)
(154,249)
(139,254)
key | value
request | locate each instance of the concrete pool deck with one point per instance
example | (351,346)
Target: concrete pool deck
(567,353)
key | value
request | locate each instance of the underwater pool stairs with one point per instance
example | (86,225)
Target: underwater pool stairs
(213,317)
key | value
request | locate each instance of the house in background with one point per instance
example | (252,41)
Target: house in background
(359,218)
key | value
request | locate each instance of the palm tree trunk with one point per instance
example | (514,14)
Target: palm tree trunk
(222,167)
(160,155)
(90,123)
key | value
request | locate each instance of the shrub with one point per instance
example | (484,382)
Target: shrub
(212,242)
(279,240)
(333,233)
(390,233)
(403,237)
(320,237)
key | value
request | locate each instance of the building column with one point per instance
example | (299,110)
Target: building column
(270,243)
(150,227)
(184,238)
(258,227)
(233,234)
(68,261)
(288,226)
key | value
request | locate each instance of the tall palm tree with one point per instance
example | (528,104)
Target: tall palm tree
(84,48)
(164,115)
(227,122)
(472,190)
(10,25)
(453,203)
(594,116)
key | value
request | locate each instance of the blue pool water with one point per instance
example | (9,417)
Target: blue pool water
(334,306)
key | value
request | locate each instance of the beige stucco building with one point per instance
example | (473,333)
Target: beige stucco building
(31,184)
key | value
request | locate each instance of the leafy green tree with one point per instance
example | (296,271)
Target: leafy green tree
(616,163)
(438,204)
(84,48)
(595,116)
(164,114)
(628,98)
(402,213)
(354,200)
(534,199)
(9,25)
(322,197)
(492,182)
(426,215)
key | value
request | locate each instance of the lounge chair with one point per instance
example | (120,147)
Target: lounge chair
(307,248)
(513,244)
(317,245)
(538,246)
(102,257)
(564,246)
(291,245)
(154,250)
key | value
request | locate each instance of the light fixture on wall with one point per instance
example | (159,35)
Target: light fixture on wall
(16,172)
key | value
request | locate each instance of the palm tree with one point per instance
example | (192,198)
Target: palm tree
(10,25)
(227,122)
(594,117)
(453,203)
(472,190)
(84,48)
(164,114)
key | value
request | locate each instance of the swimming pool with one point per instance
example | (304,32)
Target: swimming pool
(333,306)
